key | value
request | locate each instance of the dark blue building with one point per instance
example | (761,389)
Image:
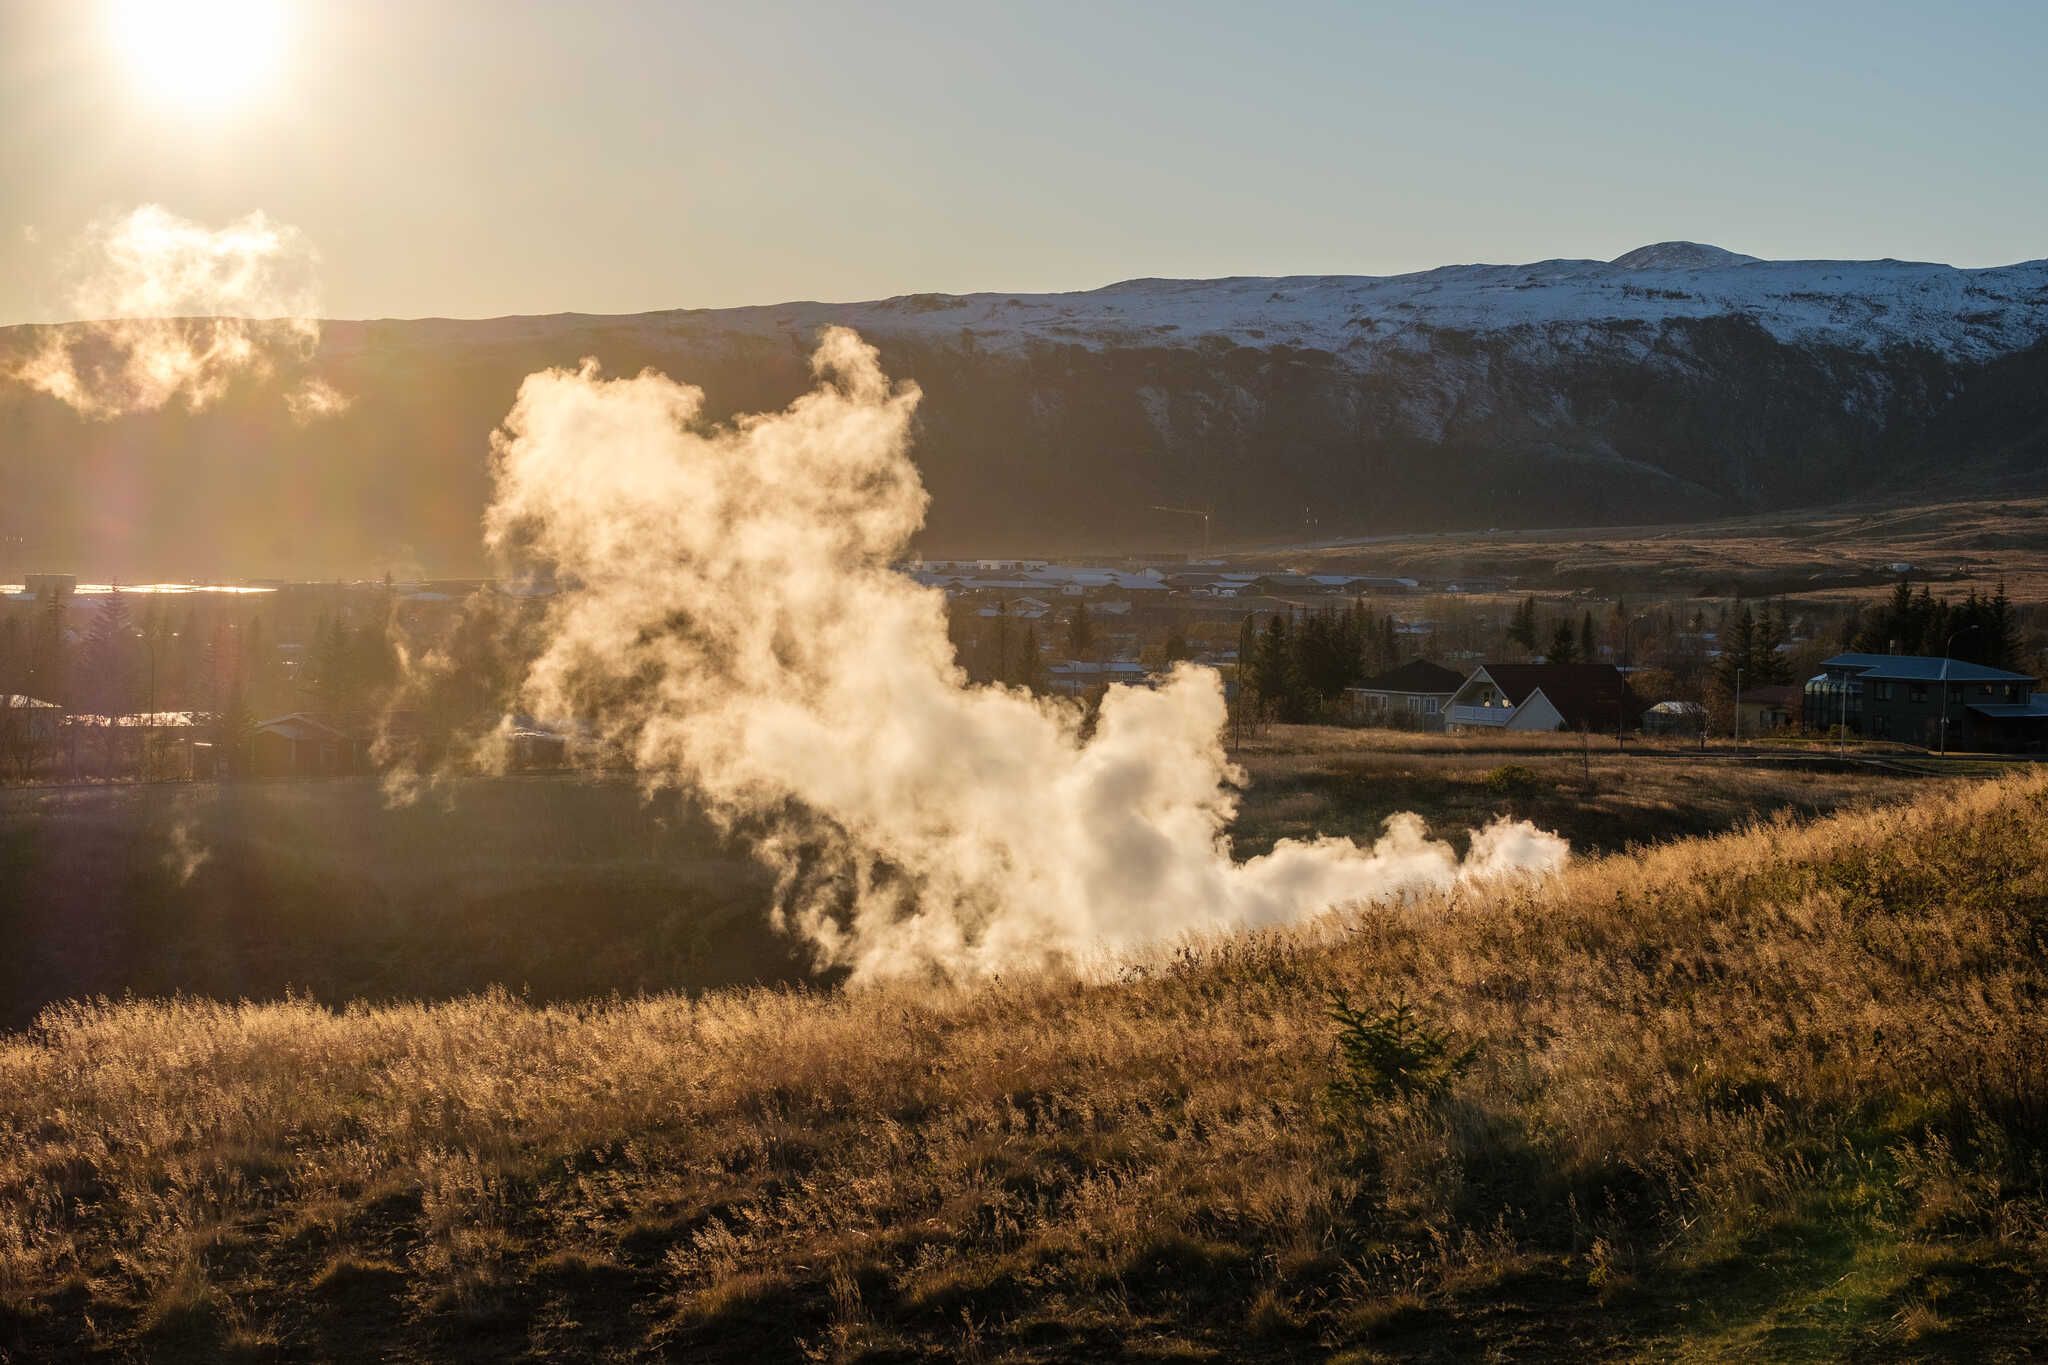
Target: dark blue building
(1908,697)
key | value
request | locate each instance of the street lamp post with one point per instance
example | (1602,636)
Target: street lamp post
(1738,709)
(1842,728)
(1621,697)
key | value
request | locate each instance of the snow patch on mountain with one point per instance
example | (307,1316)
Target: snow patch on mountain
(1679,256)
(1541,310)
(1858,305)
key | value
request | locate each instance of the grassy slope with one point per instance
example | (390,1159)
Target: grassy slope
(560,889)
(1782,1094)
(557,888)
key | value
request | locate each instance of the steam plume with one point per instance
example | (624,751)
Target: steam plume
(734,624)
(187,853)
(176,311)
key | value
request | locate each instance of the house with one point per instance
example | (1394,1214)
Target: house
(1544,697)
(1675,718)
(157,744)
(1919,699)
(1763,709)
(1415,694)
(529,744)
(1019,609)
(1284,584)
(28,732)
(2011,727)
(29,718)
(1076,677)
(299,745)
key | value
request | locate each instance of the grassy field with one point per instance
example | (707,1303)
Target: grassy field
(1837,552)
(555,888)
(1778,1094)
(560,889)
(1306,779)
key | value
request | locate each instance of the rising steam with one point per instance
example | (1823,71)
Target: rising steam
(733,623)
(176,311)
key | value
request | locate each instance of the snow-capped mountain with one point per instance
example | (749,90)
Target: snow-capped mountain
(1677,381)
(1863,305)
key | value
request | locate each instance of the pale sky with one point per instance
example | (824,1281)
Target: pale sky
(483,157)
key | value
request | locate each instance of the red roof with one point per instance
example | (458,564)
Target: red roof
(1588,696)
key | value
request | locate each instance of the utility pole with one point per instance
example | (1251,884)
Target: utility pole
(1738,709)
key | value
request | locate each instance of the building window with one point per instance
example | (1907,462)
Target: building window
(1880,727)
(1431,705)
(1881,691)
(1918,692)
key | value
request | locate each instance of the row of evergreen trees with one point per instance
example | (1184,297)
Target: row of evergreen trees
(1563,644)
(160,660)
(1750,648)
(1978,629)
(1297,667)
(1008,650)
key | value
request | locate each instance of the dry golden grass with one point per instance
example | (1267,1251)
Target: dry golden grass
(1307,780)
(1808,552)
(1783,1092)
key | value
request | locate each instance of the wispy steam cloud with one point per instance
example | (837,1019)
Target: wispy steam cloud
(176,311)
(315,399)
(186,853)
(736,627)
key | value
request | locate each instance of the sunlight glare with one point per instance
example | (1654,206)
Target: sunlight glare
(199,54)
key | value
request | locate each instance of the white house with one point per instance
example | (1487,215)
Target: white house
(1544,697)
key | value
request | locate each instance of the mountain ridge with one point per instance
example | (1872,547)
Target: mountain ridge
(1682,383)
(1976,311)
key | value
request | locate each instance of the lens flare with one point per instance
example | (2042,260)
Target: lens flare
(198,54)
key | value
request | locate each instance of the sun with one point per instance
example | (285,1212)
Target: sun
(198,54)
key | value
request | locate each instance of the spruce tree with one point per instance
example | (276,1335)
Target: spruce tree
(1564,647)
(2001,630)
(1030,667)
(1080,633)
(1276,666)
(1522,625)
(110,656)
(1738,650)
(1766,663)
(234,728)
(49,658)
(999,650)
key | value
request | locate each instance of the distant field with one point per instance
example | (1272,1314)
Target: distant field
(555,888)
(1838,552)
(1778,1095)
(561,889)
(1308,779)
